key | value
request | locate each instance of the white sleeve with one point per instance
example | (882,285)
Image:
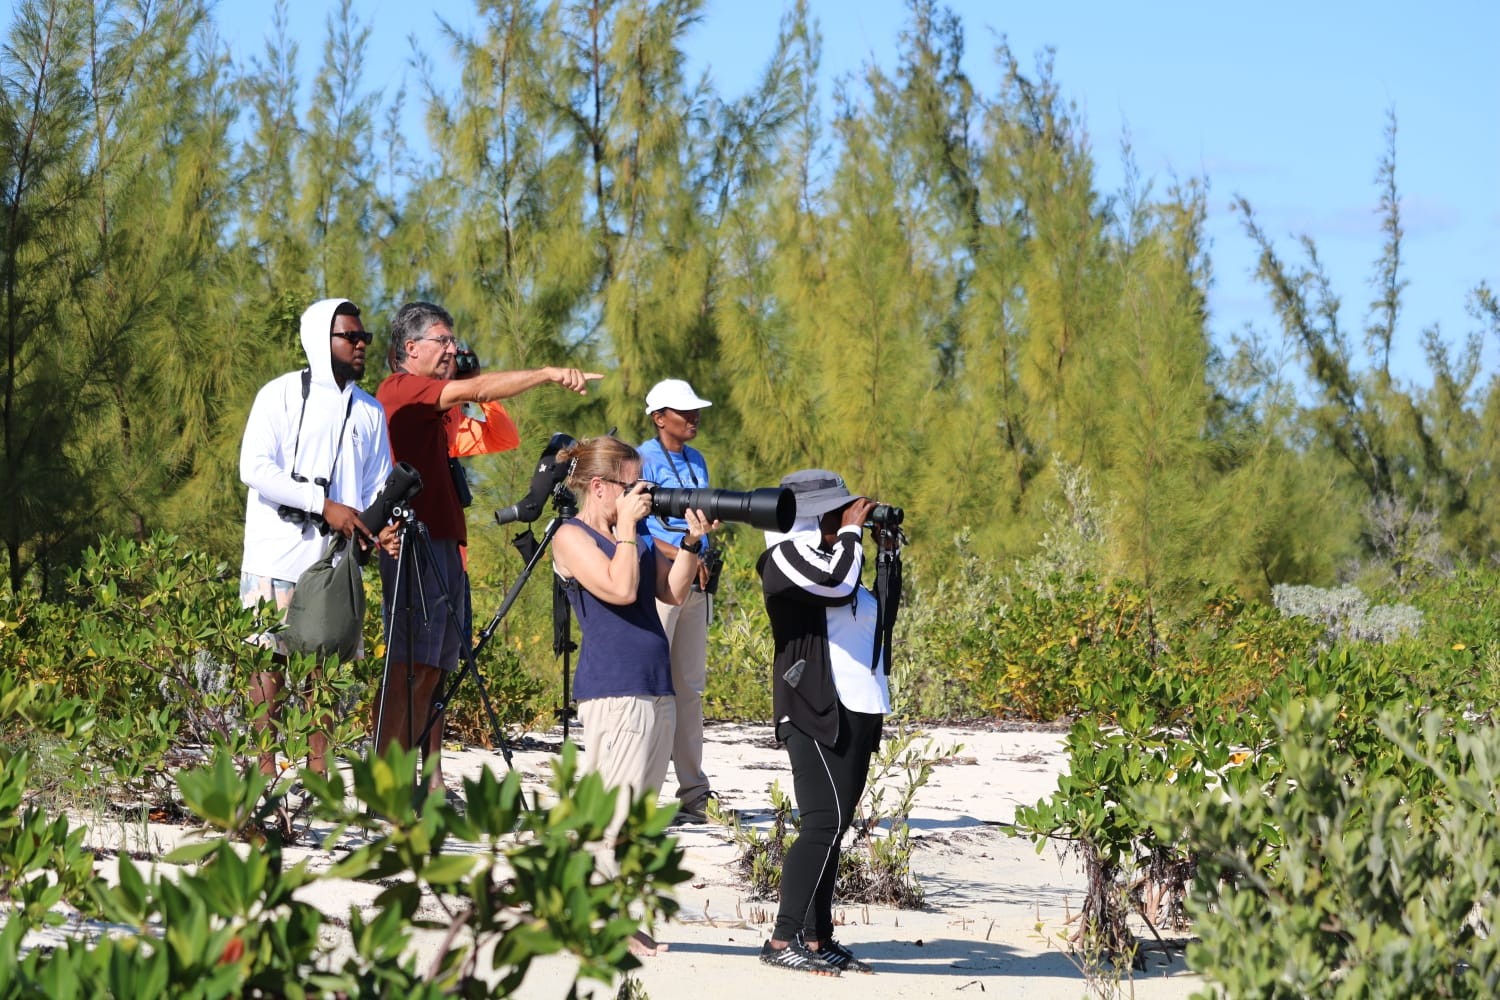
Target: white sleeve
(269,441)
(376,462)
(800,570)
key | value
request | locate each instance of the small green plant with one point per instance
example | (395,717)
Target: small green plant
(42,860)
(877,866)
(761,855)
(880,871)
(631,989)
(1106,974)
(235,923)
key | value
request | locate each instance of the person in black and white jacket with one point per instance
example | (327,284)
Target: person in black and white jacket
(830,696)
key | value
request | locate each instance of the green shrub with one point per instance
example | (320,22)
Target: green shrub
(42,860)
(1180,724)
(942,652)
(1342,879)
(237,923)
(1191,720)
(740,647)
(151,636)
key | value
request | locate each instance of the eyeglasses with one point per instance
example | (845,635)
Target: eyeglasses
(628,486)
(443,342)
(354,336)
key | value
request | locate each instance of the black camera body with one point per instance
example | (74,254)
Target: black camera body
(769,508)
(404,483)
(547,482)
(884,516)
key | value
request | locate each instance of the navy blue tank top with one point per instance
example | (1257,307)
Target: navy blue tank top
(624,649)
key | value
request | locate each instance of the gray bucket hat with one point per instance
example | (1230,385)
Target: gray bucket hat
(817,491)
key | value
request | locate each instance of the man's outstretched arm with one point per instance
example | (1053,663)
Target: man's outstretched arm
(504,385)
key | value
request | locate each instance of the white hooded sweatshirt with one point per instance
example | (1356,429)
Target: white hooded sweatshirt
(278,548)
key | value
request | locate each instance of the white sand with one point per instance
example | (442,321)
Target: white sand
(986,891)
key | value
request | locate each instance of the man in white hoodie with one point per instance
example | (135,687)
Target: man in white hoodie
(315,453)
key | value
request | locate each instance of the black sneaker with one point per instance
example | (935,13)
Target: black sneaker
(797,957)
(836,955)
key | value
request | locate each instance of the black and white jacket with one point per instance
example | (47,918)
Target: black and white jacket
(801,582)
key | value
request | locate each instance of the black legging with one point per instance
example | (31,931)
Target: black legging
(827,783)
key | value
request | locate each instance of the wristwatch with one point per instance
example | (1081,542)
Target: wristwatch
(696,548)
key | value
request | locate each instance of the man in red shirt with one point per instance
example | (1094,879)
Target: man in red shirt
(426,612)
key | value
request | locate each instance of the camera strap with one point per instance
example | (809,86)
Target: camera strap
(887,600)
(297,442)
(338,445)
(678,474)
(673,463)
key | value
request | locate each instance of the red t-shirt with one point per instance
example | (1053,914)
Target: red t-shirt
(419,437)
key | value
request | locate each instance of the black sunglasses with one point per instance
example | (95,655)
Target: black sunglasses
(355,336)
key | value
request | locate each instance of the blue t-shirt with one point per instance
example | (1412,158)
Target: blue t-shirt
(677,470)
(624,650)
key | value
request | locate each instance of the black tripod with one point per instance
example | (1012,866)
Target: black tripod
(532,551)
(412,600)
(564,506)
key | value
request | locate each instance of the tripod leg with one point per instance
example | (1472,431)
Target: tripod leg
(532,551)
(413,582)
(406,611)
(563,645)
(424,693)
(489,710)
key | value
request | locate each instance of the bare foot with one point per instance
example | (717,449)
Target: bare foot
(643,945)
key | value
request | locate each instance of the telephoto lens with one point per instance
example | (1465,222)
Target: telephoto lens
(768,508)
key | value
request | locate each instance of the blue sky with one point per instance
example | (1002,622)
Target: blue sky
(1282,102)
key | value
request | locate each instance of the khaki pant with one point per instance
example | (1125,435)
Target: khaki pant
(628,740)
(686,626)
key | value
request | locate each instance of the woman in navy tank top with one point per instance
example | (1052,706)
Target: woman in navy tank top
(614,578)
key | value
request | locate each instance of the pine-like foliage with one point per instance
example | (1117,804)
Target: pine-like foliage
(1397,444)
(45,173)
(909,280)
(1166,505)
(120,369)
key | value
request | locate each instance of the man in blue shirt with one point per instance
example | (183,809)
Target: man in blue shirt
(668,461)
